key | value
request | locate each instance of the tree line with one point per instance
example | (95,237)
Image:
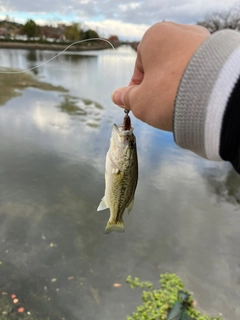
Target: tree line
(72,32)
(32,30)
(228,19)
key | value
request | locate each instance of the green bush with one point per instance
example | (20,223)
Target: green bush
(165,303)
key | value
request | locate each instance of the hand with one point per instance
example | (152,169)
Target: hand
(162,57)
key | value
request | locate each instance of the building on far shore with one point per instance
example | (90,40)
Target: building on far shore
(3,33)
(50,33)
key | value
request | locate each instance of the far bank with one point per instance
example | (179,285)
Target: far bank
(56,47)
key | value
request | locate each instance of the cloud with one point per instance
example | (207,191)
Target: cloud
(116,27)
(134,13)
(140,12)
(42,117)
(126,7)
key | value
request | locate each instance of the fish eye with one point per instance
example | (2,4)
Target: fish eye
(131,144)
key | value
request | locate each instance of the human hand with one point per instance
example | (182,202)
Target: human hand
(162,57)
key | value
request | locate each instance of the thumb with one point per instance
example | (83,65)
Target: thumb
(121,97)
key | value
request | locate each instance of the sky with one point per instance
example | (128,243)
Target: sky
(125,18)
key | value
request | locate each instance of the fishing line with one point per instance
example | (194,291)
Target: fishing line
(72,44)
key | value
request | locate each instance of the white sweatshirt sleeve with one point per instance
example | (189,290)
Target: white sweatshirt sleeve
(207,106)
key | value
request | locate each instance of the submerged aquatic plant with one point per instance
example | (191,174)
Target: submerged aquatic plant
(170,302)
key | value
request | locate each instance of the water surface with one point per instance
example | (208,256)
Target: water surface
(53,252)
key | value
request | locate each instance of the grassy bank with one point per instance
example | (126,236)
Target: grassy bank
(45,45)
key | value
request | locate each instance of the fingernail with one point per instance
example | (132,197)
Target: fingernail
(118,97)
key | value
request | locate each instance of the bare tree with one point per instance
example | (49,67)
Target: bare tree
(222,20)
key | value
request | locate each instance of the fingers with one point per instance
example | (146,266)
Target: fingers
(121,97)
(133,98)
(118,97)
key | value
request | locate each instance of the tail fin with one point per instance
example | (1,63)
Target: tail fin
(114,226)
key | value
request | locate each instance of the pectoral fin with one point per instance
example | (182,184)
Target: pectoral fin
(130,206)
(102,205)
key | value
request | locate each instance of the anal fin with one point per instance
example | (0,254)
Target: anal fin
(102,205)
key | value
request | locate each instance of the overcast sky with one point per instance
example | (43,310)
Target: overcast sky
(125,18)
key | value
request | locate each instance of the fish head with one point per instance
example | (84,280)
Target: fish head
(123,142)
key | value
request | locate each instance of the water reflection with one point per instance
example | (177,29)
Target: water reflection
(225,184)
(94,77)
(32,58)
(12,85)
(45,236)
(76,59)
(54,255)
(48,230)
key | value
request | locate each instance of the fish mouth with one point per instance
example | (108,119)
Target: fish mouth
(119,130)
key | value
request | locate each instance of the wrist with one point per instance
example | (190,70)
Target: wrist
(203,94)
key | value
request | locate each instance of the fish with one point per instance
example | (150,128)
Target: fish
(121,175)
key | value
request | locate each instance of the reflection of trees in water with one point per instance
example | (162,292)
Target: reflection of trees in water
(49,229)
(74,58)
(32,58)
(52,233)
(227,188)
(31,55)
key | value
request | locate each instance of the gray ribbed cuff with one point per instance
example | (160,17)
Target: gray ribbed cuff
(196,87)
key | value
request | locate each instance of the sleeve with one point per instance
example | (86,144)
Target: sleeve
(207,106)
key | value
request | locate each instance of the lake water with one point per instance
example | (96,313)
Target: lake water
(54,255)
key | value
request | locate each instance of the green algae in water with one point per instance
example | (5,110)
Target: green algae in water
(87,110)
(159,303)
(88,102)
(70,106)
(12,85)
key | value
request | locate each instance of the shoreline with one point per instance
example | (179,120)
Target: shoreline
(54,47)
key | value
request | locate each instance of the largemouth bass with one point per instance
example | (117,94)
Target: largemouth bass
(121,176)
